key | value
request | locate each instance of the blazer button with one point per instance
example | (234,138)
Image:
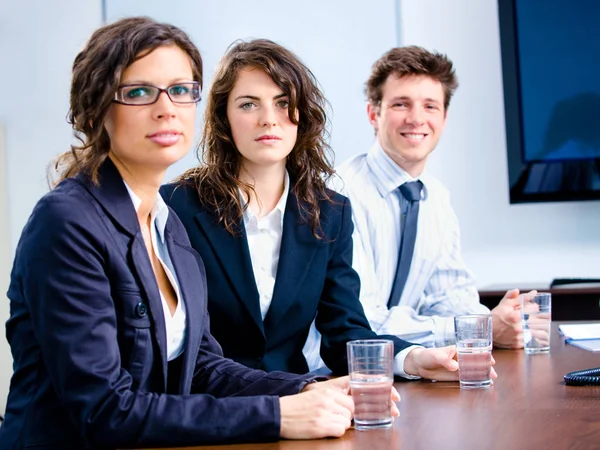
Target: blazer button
(141,309)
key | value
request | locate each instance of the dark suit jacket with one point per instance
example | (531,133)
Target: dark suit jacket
(88,336)
(314,278)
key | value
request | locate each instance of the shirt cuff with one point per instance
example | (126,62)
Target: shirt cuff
(399,363)
(443,332)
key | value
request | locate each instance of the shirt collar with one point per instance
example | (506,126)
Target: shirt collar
(279,209)
(158,215)
(388,175)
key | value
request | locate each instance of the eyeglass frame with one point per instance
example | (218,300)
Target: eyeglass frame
(160,91)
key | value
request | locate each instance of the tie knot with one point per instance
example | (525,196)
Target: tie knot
(412,190)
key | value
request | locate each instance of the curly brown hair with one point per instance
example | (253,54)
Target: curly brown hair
(97,72)
(407,61)
(217,177)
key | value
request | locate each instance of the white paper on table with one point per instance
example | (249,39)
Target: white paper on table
(580,331)
(592,345)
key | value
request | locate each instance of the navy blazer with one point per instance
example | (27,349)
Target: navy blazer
(88,337)
(314,279)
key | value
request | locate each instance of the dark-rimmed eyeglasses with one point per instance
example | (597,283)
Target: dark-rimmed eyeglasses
(146,94)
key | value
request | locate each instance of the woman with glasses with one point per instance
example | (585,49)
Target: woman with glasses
(108,327)
(277,245)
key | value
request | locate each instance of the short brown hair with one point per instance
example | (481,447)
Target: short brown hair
(217,178)
(97,72)
(407,61)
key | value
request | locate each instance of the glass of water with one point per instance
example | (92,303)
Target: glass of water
(371,370)
(536,315)
(474,346)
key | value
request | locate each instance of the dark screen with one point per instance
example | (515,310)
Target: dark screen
(551,68)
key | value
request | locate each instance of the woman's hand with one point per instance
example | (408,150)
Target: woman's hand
(317,412)
(343,384)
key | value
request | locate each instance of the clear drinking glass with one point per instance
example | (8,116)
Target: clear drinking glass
(371,369)
(536,315)
(474,346)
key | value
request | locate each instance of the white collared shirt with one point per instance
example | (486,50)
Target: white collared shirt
(174,324)
(264,242)
(439,285)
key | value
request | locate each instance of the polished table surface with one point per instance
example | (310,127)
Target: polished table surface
(528,407)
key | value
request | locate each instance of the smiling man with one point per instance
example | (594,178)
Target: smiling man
(406,236)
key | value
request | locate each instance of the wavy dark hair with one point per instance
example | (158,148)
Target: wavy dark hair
(217,177)
(411,60)
(97,72)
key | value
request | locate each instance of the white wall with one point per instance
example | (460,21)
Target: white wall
(337,39)
(5,358)
(38,42)
(501,242)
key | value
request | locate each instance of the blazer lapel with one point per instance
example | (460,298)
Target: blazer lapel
(143,268)
(234,256)
(112,195)
(192,288)
(298,247)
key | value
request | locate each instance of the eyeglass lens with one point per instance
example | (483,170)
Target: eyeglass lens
(147,94)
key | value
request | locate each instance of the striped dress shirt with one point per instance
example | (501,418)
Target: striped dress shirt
(439,285)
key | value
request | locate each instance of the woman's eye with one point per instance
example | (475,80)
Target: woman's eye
(247,106)
(138,91)
(283,103)
(179,90)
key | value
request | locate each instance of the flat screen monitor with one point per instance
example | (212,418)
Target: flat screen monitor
(551,74)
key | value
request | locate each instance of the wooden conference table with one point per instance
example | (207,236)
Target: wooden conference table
(529,407)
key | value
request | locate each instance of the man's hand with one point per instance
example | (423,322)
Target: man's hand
(317,412)
(538,329)
(506,320)
(536,333)
(435,363)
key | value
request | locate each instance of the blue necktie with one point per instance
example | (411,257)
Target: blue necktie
(412,193)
